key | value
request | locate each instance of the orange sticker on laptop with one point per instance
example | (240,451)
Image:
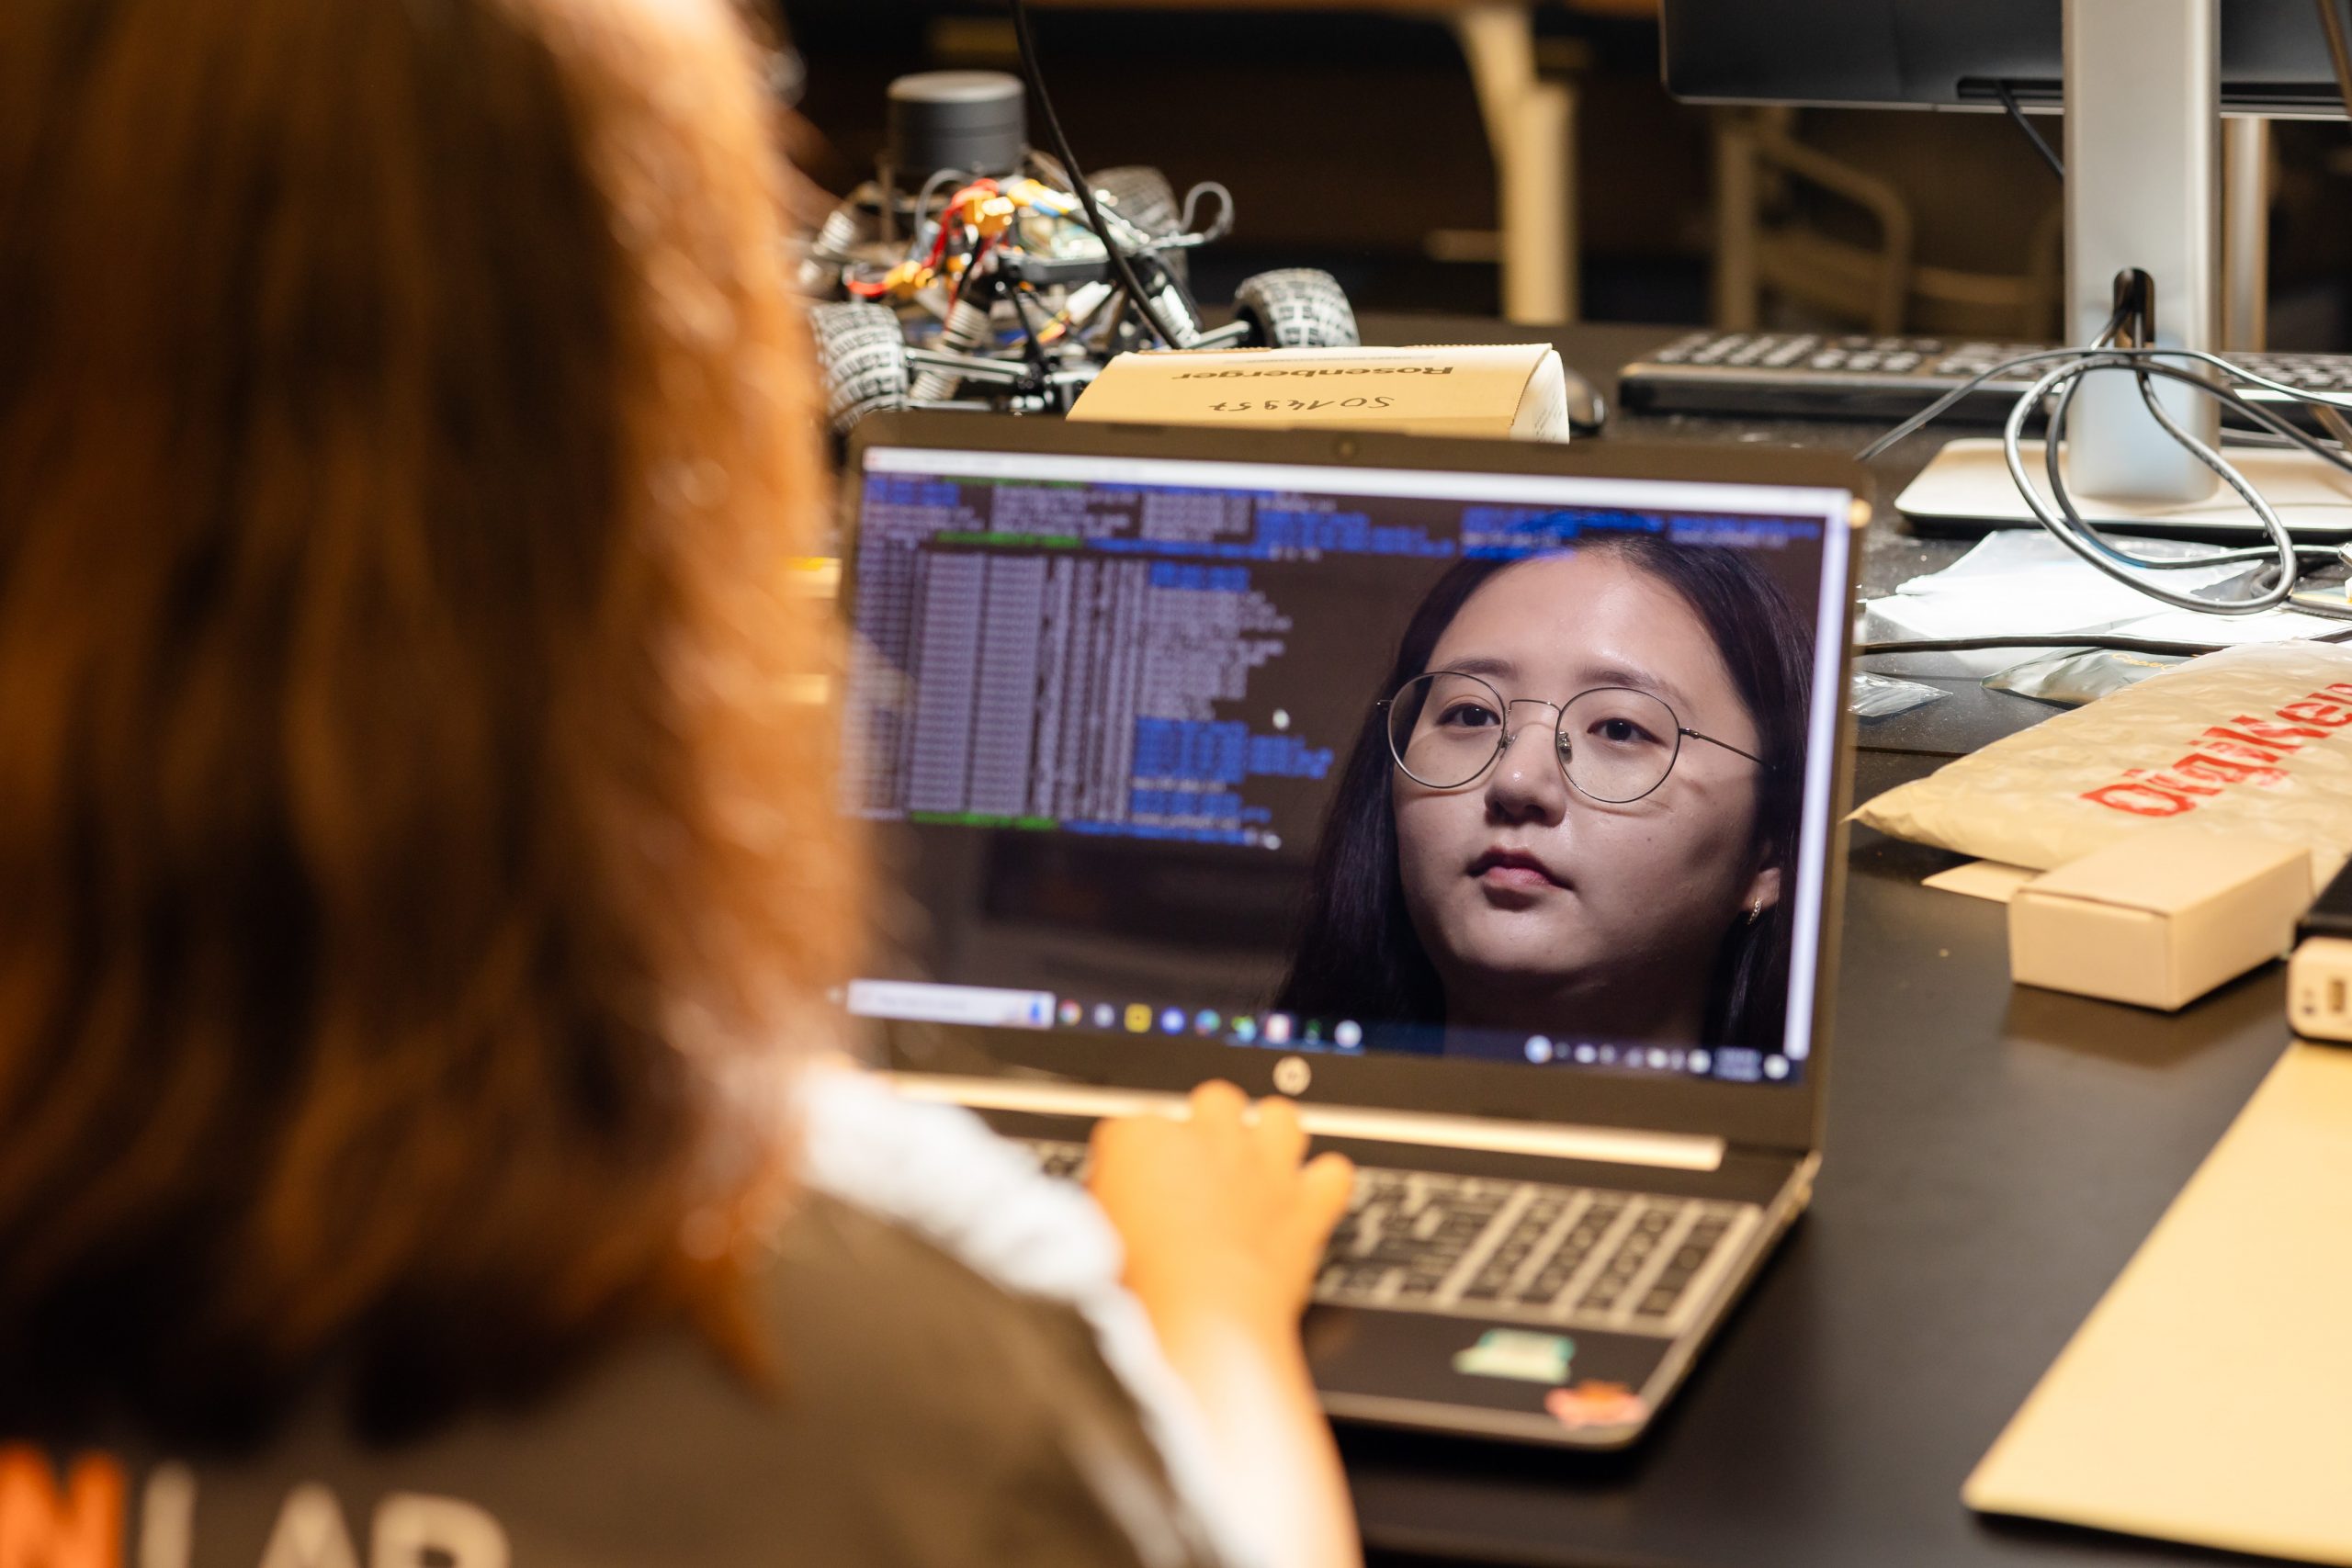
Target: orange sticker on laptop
(1595,1403)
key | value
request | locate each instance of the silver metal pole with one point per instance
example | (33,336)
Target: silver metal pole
(2245,231)
(2143,187)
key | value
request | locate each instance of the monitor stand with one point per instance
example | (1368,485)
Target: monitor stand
(2143,127)
(1967,489)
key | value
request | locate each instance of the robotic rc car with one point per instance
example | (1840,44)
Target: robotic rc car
(983,286)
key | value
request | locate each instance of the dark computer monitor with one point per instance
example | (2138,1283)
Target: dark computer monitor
(1951,53)
(2145,85)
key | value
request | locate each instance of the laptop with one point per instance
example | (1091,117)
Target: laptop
(1484,798)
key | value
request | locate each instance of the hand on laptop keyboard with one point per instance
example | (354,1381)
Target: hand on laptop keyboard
(1224,1226)
(1217,1209)
(1538,1252)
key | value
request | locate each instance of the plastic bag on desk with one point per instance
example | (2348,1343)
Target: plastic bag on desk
(1883,696)
(2253,739)
(2070,679)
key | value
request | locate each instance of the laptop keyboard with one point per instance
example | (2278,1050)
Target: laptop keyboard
(1588,1258)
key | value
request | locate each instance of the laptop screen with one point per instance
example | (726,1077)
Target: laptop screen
(1525,768)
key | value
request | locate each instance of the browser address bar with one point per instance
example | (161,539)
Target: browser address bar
(981,1006)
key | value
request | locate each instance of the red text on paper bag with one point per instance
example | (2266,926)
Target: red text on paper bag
(2244,750)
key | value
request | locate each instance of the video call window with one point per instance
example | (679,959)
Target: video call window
(1492,765)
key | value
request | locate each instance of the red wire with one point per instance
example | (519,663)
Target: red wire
(939,240)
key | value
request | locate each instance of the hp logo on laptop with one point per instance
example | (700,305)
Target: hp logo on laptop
(1292,1075)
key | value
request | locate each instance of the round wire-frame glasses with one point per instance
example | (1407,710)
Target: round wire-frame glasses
(1614,744)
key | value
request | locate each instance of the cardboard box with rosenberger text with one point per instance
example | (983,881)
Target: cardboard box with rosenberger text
(2161,917)
(1490,389)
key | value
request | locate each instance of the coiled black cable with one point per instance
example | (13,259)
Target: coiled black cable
(2063,371)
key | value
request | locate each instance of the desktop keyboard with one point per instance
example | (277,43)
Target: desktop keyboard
(1586,1257)
(1883,379)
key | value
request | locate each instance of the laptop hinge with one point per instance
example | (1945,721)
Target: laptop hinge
(1550,1140)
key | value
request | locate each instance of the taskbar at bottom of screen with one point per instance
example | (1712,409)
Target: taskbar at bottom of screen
(989,1007)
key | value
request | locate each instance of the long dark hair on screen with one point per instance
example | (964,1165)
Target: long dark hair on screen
(1358,955)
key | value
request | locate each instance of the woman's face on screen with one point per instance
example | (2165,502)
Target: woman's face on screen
(1542,907)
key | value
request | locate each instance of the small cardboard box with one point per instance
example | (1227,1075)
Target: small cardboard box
(2161,917)
(1491,390)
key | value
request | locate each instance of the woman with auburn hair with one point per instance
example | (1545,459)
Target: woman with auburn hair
(419,880)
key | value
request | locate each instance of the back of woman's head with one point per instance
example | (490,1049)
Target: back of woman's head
(412,783)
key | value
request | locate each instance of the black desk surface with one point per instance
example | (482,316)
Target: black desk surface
(1994,1155)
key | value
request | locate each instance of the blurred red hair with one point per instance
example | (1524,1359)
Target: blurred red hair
(415,766)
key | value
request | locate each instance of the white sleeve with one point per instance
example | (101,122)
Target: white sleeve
(938,1170)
